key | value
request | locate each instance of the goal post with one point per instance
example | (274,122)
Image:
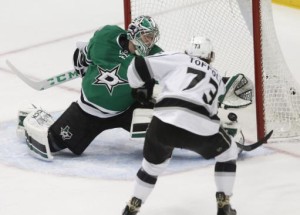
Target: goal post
(258,69)
(244,40)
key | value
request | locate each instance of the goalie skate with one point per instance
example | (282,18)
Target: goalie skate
(22,113)
(36,126)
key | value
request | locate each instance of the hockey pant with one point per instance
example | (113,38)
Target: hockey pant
(162,138)
(76,129)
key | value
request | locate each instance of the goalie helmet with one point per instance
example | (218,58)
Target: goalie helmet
(143,33)
(200,47)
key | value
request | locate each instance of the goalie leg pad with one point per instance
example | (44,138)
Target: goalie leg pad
(140,122)
(36,126)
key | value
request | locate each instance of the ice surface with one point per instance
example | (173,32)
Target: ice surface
(39,38)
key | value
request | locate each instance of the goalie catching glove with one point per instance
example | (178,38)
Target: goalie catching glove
(239,92)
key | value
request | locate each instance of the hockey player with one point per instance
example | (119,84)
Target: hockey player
(106,99)
(185,116)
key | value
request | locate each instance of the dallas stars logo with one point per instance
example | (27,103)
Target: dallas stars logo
(65,133)
(109,78)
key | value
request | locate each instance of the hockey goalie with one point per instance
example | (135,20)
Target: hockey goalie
(106,100)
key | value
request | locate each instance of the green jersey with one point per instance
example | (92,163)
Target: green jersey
(105,84)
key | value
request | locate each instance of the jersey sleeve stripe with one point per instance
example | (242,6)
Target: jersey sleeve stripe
(174,102)
(142,69)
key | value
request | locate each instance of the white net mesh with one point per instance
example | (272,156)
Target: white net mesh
(282,92)
(228,23)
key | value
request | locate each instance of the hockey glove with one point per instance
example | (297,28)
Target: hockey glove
(80,61)
(144,94)
(239,92)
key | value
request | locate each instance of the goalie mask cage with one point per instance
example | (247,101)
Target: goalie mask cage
(242,45)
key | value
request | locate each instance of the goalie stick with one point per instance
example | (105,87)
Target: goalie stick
(47,83)
(256,144)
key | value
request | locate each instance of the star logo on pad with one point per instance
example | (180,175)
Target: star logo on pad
(65,133)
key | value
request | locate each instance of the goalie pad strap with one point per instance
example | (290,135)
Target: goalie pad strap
(140,127)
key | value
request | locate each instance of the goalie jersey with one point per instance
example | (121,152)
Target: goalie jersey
(190,90)
(105,89)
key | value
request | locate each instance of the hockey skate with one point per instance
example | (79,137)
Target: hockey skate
(22,113)
(224,207)
(132,207)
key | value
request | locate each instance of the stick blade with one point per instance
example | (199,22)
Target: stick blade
(33,84)
(257,144)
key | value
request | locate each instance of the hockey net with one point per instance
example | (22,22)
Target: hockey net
(229,25)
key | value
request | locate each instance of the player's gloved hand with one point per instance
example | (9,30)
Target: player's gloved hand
(144,94)
(80,62)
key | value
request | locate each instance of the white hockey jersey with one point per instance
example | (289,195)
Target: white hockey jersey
(190,90)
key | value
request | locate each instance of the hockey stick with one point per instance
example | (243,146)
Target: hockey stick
(255,145)
(47,83)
